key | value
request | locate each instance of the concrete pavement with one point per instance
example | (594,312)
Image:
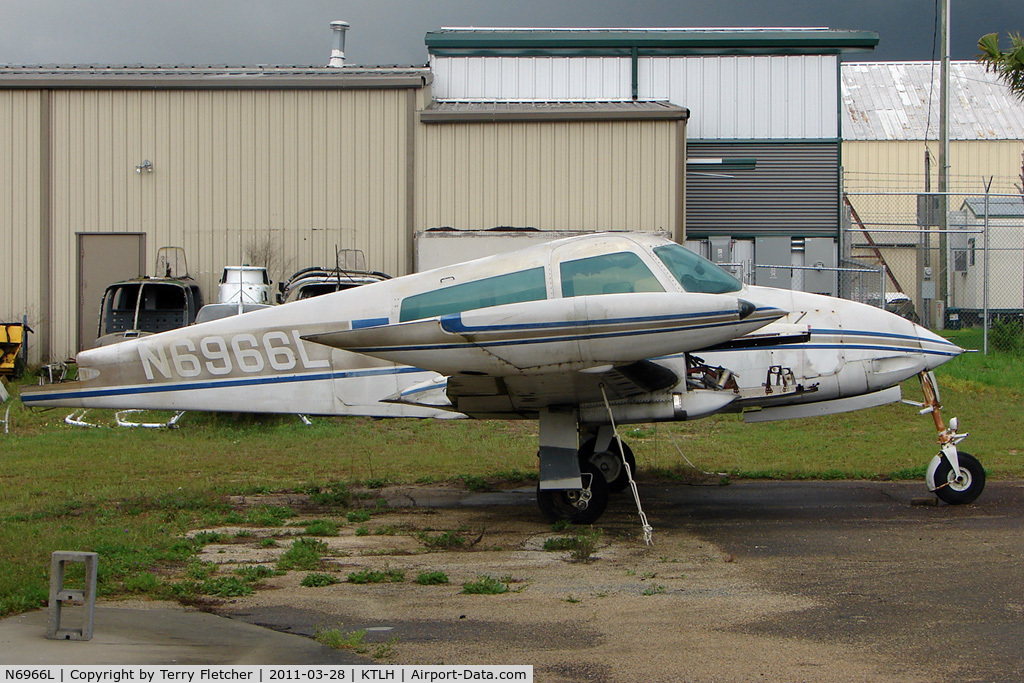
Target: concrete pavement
(157,633)
(928,589)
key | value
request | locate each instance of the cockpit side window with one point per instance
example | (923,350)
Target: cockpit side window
(696,274)
(511,288)
(616,273)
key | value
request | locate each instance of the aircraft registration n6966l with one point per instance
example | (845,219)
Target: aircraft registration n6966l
(581,334)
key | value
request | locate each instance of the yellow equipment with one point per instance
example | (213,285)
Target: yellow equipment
(12,340)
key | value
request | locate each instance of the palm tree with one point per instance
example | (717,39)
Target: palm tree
(1009,66)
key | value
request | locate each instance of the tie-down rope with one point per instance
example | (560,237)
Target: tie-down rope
(647,528)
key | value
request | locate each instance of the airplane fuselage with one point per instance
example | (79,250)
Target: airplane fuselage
(581,334)
(546,320)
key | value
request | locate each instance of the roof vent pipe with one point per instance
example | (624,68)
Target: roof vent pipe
(338,50)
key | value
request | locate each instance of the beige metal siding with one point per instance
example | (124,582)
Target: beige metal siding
(874,168)
(20,159)
(301,170)
(898,166)
(551,176)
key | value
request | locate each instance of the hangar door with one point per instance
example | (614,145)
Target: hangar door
(103,259)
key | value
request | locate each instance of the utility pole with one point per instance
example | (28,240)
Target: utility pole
(943,264)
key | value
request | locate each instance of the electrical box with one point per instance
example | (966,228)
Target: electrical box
(773,256)
(820,252)
(721,249)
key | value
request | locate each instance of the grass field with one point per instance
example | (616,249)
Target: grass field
(131,493)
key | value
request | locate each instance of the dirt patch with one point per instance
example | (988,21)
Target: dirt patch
(681,609)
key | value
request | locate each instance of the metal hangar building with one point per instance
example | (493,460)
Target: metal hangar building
(727,140)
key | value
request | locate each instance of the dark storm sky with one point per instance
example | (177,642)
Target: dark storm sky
(391,31)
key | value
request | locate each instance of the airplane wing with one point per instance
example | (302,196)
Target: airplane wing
(558,335)
(519,358)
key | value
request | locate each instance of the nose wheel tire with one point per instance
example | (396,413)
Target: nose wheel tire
(579,506)
(963,489)
(609,463)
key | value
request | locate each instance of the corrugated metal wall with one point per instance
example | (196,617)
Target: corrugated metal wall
(740,97)
(551,176)
(748,96)
(300,170)
(898,165)
(531,79)
(792,191)
(20,190)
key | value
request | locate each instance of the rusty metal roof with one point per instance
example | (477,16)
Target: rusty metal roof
(900,101)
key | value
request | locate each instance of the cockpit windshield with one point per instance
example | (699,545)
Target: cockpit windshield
(696,274)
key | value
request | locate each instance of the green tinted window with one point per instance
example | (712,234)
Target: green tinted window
(526,285)
(694,273)
(608,274)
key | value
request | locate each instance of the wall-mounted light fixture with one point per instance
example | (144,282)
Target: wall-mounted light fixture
(146,166)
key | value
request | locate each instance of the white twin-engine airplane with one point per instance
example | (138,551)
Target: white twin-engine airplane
(583,334)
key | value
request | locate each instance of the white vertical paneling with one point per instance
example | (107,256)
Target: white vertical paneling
(757,112)
(747,96)
(525,79)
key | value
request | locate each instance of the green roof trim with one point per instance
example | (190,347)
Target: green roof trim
(646,41)
(523,112)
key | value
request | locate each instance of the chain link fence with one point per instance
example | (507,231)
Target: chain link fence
(952,260)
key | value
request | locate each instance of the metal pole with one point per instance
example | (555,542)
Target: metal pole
(943,158)
(924,245)
(884,275)
(984,275)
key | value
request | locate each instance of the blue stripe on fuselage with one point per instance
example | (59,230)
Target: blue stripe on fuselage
(213,384)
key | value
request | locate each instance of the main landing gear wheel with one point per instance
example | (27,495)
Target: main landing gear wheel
(963,489)
(579,506)
(609,463)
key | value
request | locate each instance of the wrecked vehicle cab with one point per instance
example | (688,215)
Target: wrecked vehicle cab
(148,305)
(350,271)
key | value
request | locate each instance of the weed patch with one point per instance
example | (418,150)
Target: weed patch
(304,553)
(318,580)
(198,570)
(485,585)
(322,527)
(560,543)
(208,537)
(353,640)
(255,573)
(386,649)
(227,587)
(333,495)
(581,547)
(269,515)
(446,540)
(435,578)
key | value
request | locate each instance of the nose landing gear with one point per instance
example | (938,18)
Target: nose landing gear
(957,478)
